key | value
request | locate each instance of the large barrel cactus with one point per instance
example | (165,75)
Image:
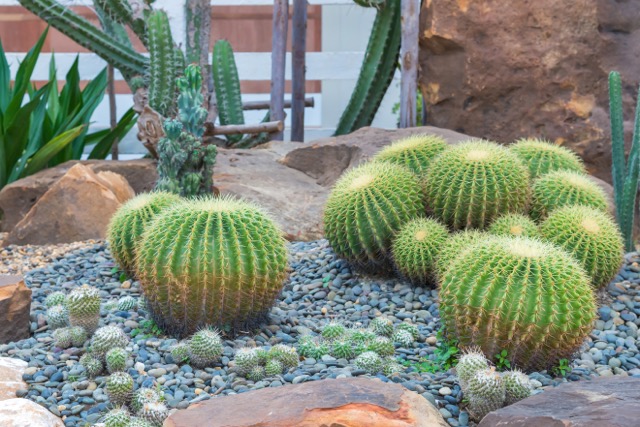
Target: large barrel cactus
(219,262)
(128,223)
(365,209)
(415,152)
(455,245)
(591,236)
(521,295)
(471,184)
(542,157)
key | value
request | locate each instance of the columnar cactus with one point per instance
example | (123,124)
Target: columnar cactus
(128,223)
(119,387)
(455,245)
(486,393)
(564,188)
(542,157)
(107,338)
(514,225)
(591,236)
(116,360)
(366,208)
(205,348)
(162,62)
(415,152)
(472,183)
(211,261)
(83,304)
(521,295)
(416,247)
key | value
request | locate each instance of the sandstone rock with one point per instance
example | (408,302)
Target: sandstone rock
(15,306)
(348,402)
(17,198)
(25,413)
(11,371)
(77,207)
(602,402)
(117,184)
(532,69)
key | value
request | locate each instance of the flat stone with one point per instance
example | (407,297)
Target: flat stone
(342,402)
(606,402)
(15,305)
(25,413)
(11,371)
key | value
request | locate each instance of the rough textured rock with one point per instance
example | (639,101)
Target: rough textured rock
(26,413)
(602,402)
(11,371)
(77,207)
(15,305)
(536,69)
(17,198)
(349,402)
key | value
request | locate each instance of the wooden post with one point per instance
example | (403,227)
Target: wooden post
(410,10)
(278,61)
(113,112)
(298,68)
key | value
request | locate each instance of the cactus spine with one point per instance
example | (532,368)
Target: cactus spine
(415,152)
(227,85)
(521,295)
(543,157)
(185,163)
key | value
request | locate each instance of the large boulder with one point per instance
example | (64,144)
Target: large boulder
(26,413)
(15,306)
(602,402)
(536,68)
(17,198)
(11,371)
(77,207)
(353,402)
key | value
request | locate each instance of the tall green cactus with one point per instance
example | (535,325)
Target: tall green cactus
(163,63)
(624,171)
(227,85)
(378,68)
(120,11)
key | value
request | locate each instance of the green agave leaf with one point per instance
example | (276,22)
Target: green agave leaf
(5,79)
(103,146)
(40,159)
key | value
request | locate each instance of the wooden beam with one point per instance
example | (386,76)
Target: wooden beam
(265,105)
(278,61)
(298,68)
(276,126)
(410,10)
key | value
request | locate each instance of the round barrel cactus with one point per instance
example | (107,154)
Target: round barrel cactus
(514,225)
(415,152)
(365,209)
(218,262)
(128,223)
(521,295)
(542,157)
(591,236)
(471,184)
(455,245)
(416,247)
(565,188)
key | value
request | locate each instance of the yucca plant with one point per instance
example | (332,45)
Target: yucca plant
(42,127)
(624,171)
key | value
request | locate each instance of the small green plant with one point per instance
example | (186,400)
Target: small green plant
(562,368)
(445,356)
(147,328)
(502,360)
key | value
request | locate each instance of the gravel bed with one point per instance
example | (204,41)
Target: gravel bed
(321,288)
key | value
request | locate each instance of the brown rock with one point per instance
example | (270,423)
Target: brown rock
(348,402)
(11,371)
(602,402)
(77,207)
(15,306)
(117,184)
(17,198)
(533,69)
(26,413)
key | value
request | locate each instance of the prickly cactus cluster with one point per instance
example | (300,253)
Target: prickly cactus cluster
(256,364)
(83,304)
(202,349)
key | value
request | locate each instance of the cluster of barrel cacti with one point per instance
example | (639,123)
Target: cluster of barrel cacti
(486,390)
(196,259)
(74,317)
(201,350)
(370,348)
(259,363)
(143,408)
(469,218)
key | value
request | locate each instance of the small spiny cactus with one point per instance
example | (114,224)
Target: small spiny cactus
(411,328)
(116,360)
(382,326)
(542,157)
(342,349)
(256,374)
(154,412)
(144,396)
(55,298)
(57,316)
(139,422)
(92,365)
(180,352)
(62,338)
(517,386)
(205,348)
(333,330)
(470,363)
(286,355)
(118,417)
(83,304)
(486,393)
(245,360)
(370,362)
(127,303)
(119,387)
(402,337)
(415,152)
(391,367)
(274,367)
(78,336)
(107,338)
(383,346)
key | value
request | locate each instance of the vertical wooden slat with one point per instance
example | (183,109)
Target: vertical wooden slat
(298,70)
(409,62)
(113,112)
(278,61)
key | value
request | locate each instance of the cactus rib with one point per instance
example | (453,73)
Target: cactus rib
(162,63)
(378,68)
(120,11)
(125,59)
(227,86)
